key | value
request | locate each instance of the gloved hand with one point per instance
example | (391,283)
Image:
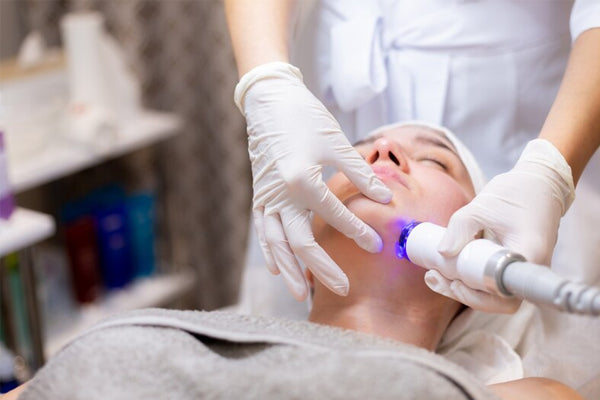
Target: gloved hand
(290,137)
(474,298)
(521,209)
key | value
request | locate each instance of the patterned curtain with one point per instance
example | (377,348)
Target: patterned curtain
(181,53)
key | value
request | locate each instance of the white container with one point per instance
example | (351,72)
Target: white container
(82,35)
(31,107)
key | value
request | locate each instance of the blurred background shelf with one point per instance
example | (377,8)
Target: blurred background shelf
(64,158)
(23,229)
(155,291)
(61,158)
(200,180)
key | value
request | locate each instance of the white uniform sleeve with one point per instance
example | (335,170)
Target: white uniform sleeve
(585,15)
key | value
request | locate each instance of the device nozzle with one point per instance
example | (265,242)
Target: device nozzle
(402,240)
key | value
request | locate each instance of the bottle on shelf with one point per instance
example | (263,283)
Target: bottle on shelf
(81,243)
(141,212)
(110,210)
(7,201)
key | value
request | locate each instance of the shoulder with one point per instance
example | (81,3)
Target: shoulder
(534,388)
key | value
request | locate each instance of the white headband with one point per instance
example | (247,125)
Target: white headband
(477,177)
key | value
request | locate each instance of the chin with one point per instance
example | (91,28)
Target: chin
(382,217)
(371,212)
(374,214)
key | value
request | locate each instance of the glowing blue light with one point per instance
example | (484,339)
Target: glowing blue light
(401,243)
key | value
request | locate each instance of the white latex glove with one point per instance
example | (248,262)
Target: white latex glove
(474,298)
(291,135)
(521,209)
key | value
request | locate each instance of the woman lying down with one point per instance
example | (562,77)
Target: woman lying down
(378,342)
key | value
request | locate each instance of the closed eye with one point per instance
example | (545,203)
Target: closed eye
(436,162)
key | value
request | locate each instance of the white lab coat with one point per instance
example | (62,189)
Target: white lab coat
(489,70)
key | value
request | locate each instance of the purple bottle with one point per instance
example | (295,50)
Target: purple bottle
(7,201)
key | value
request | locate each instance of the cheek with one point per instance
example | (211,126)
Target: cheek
(442,197)
(435,202)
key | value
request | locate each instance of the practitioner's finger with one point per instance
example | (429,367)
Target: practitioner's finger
(284,257)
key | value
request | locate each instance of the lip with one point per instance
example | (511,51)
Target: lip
(389,173)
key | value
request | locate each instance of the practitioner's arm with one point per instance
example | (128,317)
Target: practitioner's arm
(534,389)
(259,31)
(573,124)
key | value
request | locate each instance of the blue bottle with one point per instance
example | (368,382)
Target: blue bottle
(141,212)
(110,209)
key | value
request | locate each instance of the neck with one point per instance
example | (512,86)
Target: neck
(415,317)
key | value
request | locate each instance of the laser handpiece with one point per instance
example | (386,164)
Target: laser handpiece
(487,266)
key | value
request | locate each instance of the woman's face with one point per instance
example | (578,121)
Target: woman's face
(421,168)
(429,183)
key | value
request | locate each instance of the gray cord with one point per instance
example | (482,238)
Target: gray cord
(578,298)
(541,285)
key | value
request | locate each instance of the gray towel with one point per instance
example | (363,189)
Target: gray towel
(167,354)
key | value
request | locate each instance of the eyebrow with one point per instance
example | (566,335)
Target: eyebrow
(423,138)
(428,139)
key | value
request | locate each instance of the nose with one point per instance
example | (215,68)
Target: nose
(387,150)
